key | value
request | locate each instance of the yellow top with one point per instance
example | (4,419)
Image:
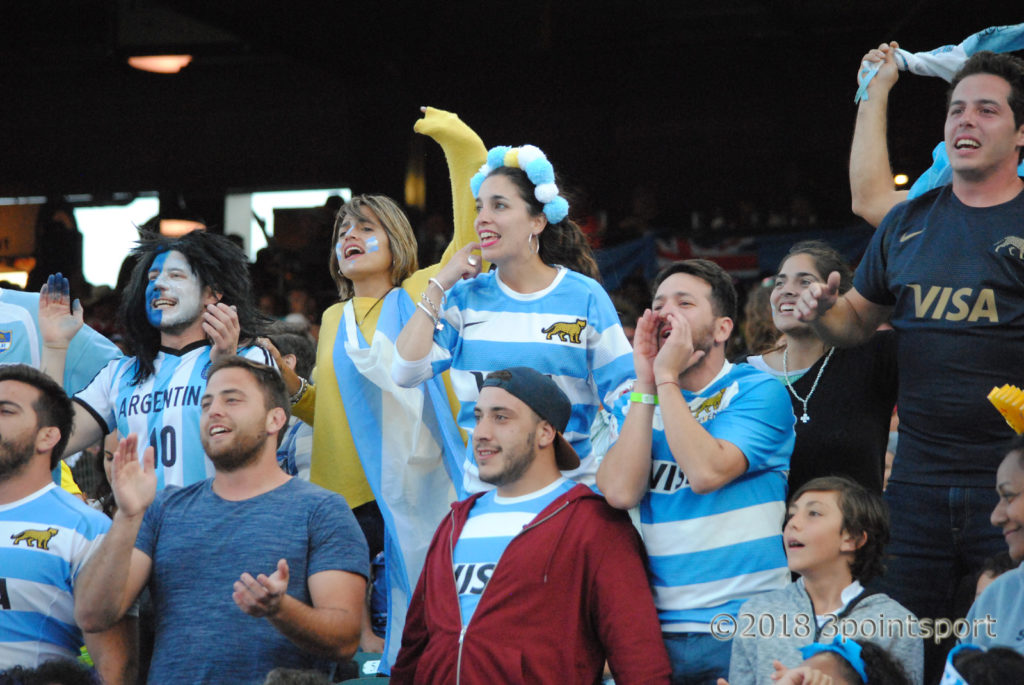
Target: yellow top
(335,463)
(67,481)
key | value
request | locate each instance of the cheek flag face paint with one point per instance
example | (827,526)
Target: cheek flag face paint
(339,252)
(372,244)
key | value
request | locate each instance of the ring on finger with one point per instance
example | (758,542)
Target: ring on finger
(472,260)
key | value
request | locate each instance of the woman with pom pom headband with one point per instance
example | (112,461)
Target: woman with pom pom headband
(541,306)
(537,168)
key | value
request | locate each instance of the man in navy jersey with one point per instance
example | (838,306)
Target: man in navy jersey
(299,579)
(947,268)
(538,580)
(189,302)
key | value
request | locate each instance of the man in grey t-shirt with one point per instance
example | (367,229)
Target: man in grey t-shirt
(291,551)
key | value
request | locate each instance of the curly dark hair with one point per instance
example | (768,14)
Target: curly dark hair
(993,667)
(879,666)
(217,262)
(863,512)
(562,243)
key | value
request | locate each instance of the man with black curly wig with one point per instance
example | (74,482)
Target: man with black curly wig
(189,302)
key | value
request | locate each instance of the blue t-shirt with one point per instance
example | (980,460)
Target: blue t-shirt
(954,276)
(709,553)
(200,544)
(45,540)
(568,331)
(493,522)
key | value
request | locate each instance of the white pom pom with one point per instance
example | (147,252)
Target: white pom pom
(546,192)
(484,169)
(529,153)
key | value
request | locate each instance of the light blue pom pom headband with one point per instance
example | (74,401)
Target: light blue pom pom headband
(537,168)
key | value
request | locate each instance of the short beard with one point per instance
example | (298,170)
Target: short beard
(14,457)
(238,456)
(515,466)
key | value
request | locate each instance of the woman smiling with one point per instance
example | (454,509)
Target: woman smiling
(541,307)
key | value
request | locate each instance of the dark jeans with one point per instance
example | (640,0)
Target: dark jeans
(940,537)
(697,658)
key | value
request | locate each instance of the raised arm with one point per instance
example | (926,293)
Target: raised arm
(871,186)
(117,572)
(844,320)
(417,337)
(329,628)
(59,321)
(626,468)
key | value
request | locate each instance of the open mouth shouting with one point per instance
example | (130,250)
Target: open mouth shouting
(966,144)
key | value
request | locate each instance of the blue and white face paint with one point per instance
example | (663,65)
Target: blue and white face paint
(174,295)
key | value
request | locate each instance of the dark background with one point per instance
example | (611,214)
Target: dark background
(707,102)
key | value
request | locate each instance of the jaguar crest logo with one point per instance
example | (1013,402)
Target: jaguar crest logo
(567,331)
(1014,246)
(706,408)
(40,538)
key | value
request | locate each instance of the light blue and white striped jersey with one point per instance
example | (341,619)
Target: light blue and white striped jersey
(163,410)
(568,331)
(707,554)
(20,342)
(493,522)
(45,540)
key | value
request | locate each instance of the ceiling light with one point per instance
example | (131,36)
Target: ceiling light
(177,227)
(160,64)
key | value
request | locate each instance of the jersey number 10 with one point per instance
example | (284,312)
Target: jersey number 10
(165,443)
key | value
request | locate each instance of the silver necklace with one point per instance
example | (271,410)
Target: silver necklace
(785,374)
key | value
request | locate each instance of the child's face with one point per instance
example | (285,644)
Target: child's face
(814,535)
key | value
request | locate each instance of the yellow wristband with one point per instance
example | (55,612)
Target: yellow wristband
(643,398)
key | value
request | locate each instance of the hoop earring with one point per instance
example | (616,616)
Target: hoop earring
(529,241)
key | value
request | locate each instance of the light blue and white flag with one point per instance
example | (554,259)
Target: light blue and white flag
(944,62)
(409,445)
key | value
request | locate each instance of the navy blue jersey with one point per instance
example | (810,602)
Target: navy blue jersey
(954,276)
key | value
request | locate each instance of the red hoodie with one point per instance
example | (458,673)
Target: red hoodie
(569,592)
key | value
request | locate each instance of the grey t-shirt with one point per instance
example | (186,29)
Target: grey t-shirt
(200,544)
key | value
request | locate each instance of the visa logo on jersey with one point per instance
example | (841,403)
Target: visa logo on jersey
(954,304)
(667,477)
